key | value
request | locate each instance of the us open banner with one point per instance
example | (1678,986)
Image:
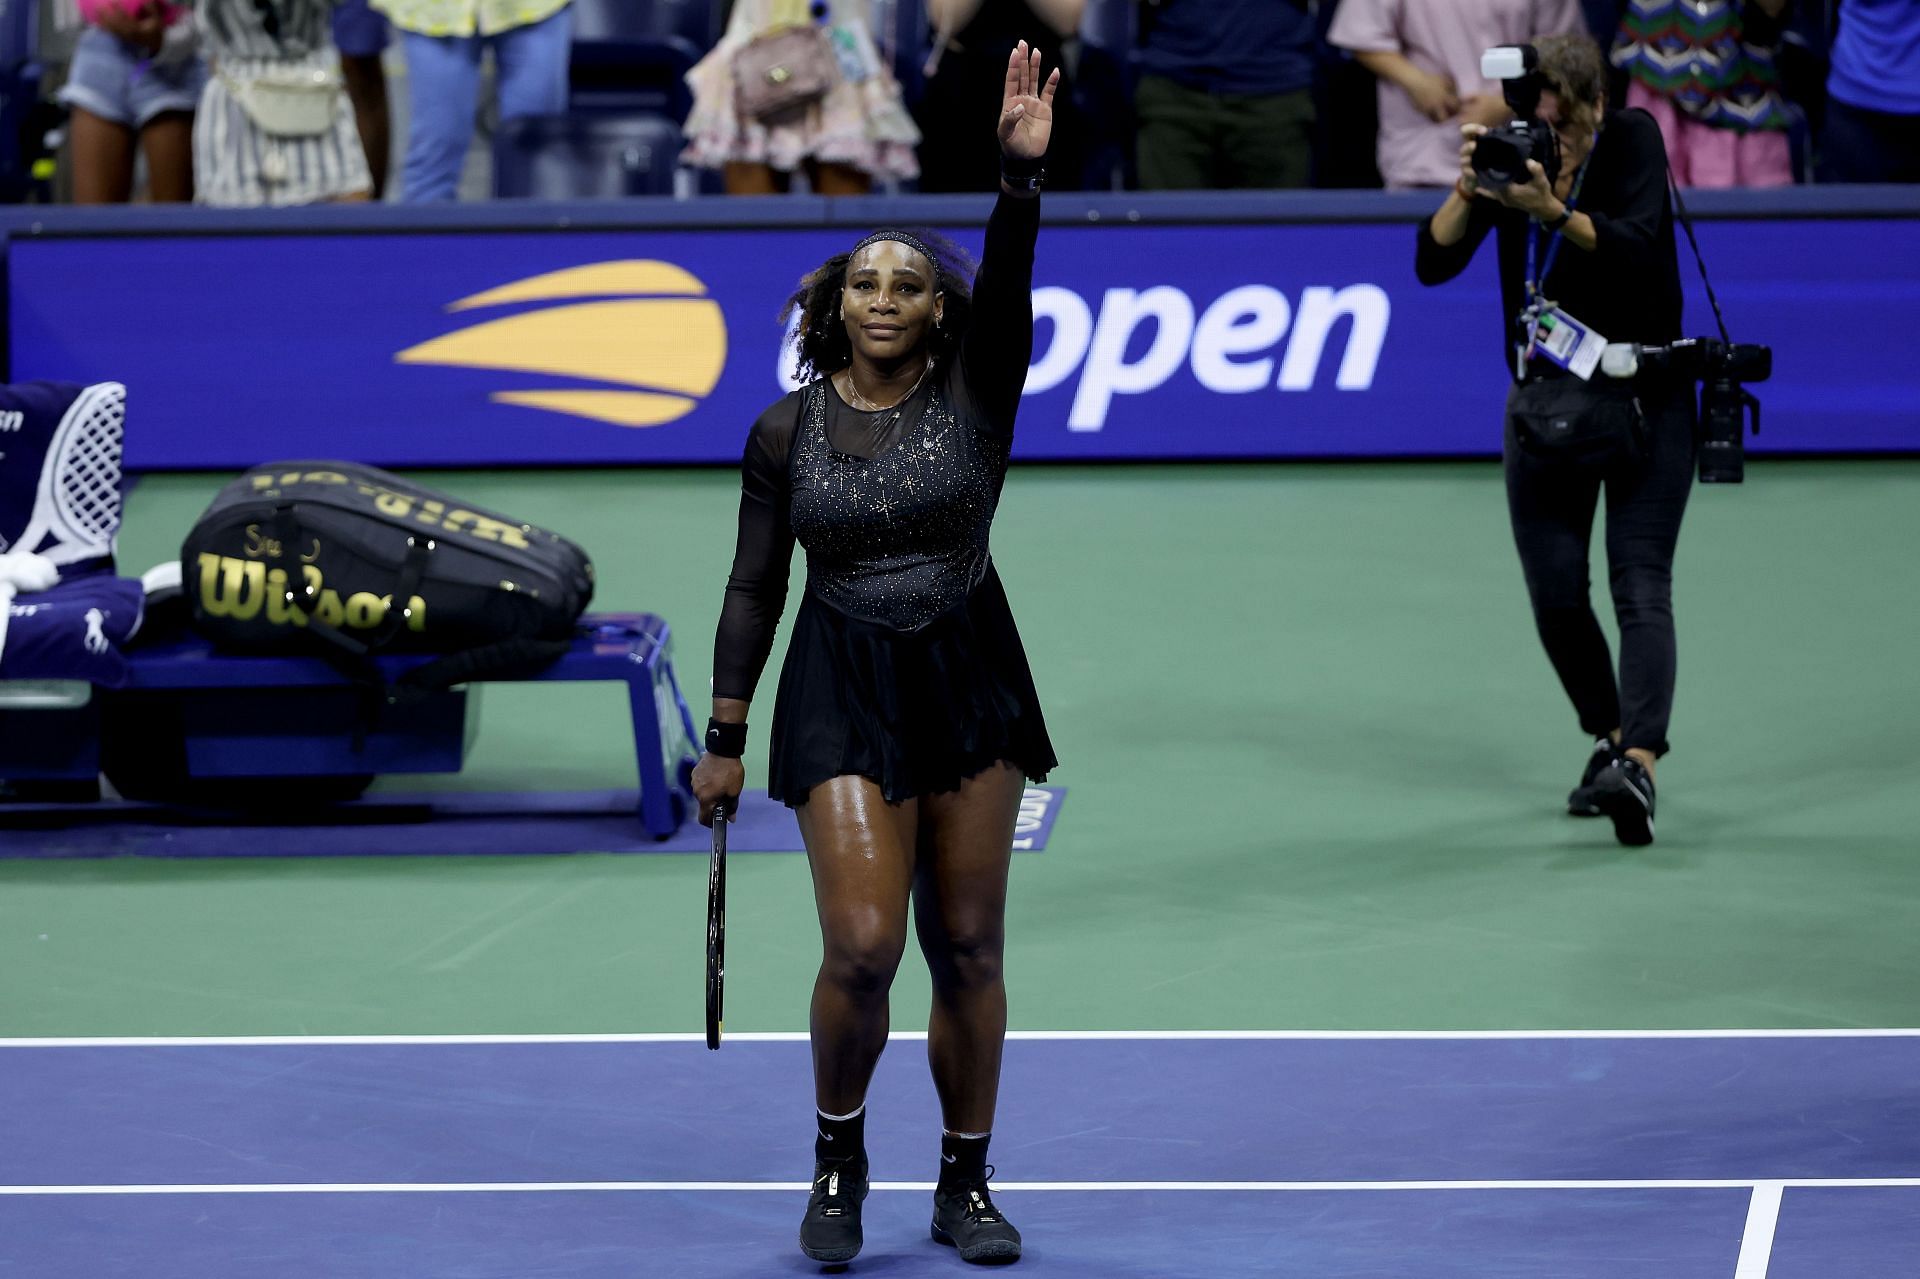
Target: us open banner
(1152,341)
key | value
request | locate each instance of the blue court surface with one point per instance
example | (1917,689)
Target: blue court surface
(1664,1155)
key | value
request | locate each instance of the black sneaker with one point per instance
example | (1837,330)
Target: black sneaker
(830,1231)
(1624,792)
(1581,802)
(964,1217)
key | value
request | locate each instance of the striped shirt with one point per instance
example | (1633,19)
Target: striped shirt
(1713,59)
(467,17)
(238,28)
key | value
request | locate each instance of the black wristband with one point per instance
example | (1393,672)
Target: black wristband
(1566,216)
(1019,168)
(728,741)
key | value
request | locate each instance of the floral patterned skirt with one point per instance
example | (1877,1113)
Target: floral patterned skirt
(862,121)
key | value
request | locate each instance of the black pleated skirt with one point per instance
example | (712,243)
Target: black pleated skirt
(918,712)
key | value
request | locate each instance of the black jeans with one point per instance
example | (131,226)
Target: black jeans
(1552,505)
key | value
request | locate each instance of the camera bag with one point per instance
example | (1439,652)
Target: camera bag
(1563,419)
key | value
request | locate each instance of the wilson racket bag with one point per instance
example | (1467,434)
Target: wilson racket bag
(335,558)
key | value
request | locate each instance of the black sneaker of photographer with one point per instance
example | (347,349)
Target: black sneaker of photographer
(1580,801)
(1624,792)
(830,1232)
(964,1217)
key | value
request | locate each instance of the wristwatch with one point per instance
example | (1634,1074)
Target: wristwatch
(1566,215)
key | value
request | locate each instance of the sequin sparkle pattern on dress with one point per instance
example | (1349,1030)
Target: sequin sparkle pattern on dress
(901,537)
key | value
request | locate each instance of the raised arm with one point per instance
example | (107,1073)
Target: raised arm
(1449,239)
(998,343)
(1627,240)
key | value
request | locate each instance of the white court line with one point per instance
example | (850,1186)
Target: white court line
(1756,1244)
(799,1036)
(1078,1187)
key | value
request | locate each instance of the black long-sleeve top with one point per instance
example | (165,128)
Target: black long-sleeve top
(893,508)
(1627,288)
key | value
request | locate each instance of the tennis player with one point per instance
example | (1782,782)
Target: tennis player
(906,716)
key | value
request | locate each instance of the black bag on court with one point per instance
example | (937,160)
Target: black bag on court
(343,561)
(1565,419)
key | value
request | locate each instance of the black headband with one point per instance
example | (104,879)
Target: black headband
(900,237)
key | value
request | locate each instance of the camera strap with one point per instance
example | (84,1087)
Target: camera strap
(1686,223)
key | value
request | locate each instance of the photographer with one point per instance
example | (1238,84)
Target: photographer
(1587,265)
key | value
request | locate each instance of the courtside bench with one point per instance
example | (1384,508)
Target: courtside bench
(260,727)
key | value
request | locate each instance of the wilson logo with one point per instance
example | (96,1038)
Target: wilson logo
(645,331)
(247,589)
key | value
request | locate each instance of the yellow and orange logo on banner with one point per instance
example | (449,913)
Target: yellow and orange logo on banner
(645,327)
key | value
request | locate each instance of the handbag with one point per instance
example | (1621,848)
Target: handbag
(782,72)
(287,102)
(1563,419)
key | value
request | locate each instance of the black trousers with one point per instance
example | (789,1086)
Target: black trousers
(1552,504)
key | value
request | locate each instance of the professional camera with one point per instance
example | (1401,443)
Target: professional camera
(1500,156)
(1722,368)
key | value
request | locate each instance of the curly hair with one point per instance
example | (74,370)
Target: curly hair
(1575,69)
(823,347)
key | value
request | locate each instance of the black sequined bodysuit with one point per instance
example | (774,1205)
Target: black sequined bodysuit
(894,508)
(900,537)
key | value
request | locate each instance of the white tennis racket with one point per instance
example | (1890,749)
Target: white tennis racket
(78,502)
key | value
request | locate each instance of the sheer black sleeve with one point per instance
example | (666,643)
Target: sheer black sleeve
(998,343)
(757,587)
(1436,263)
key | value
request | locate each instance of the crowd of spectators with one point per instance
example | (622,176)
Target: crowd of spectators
(1158,94)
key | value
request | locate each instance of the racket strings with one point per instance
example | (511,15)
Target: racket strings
(87,490)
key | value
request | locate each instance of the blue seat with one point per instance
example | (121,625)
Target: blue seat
(633,55)
(20,76)
(570,157)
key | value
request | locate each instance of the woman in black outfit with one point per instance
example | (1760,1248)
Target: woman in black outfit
(971,41)
(906,717)
(1614,270)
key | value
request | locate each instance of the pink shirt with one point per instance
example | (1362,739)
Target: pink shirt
(1447,37)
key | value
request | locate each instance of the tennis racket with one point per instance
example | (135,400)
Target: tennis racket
(717,925)
(77,504)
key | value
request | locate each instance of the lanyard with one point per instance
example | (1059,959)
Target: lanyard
(1536,279)
(1536,283)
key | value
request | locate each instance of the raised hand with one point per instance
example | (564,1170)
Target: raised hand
(1026,108)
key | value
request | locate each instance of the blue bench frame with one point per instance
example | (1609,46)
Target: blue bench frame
(630,648)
